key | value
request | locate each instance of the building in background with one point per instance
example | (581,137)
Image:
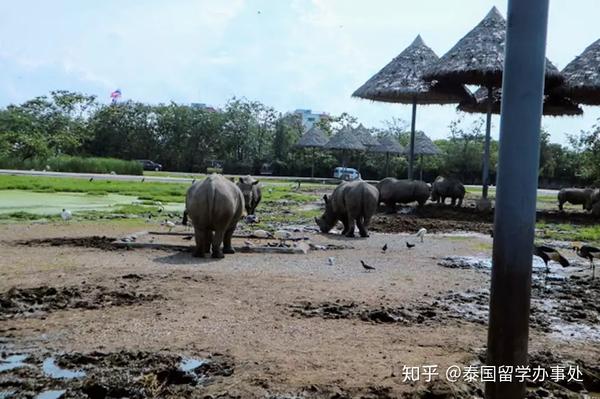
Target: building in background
(309,118)
(203,106)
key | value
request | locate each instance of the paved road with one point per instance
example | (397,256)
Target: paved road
(186,179)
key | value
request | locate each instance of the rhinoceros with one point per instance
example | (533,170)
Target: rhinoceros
(351,203)
(576,196)
(251,191)
(392,191)
(214,206)
(447,187)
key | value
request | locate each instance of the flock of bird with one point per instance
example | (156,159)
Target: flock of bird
(419,234)
(548,253)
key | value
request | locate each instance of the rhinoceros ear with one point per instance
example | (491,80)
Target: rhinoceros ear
(325,198)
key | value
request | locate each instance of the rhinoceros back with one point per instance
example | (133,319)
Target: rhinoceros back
(214,203)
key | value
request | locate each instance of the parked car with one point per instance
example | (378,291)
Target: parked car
(346,173)
(150,165)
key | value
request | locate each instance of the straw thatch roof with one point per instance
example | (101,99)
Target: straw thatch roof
(345,139)
(365,136)
(554,104)
(582,76)
(401,81)
(478,58)
(423,146)
(388,145)
(314,138)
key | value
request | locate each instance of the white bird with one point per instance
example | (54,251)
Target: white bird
(169,224)
(282,235)
(261,234)
(421,233)
(66,215)
(331,260)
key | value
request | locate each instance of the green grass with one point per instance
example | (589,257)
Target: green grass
(150,191)
(568,232)
(66,163)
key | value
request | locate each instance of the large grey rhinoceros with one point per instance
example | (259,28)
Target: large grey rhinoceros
(214,206)
(392,191)
(576,196)
(447,187)
(350,203)
(251,191)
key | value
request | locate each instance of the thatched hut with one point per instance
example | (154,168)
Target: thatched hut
(313,138)
(365,137)
(401,81)
(388,146)
(582,76)
(423,147)
(346,141)
(554,104)
(478,59)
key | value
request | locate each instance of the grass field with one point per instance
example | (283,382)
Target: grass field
(282,203)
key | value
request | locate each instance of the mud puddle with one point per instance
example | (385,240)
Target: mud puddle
(567,309)
(100,242)
(99,375)
(38,301)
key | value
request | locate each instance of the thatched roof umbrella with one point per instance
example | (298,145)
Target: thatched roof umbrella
(313,138)
(554,104)
(478,59)
(365,137)
(345,140)
(582,76)
(388,145)
(423,147)
(401,81)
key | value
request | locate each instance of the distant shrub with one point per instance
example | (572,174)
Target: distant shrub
(65,163)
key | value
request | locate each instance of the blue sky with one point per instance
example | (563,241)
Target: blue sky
(287,54)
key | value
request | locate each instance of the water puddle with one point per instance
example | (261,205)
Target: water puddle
(53,203)
(189,364)
(12,362)
(55,394)
(52,370)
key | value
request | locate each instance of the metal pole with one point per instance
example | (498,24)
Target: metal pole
(312,166)
(520,121)
(486,147)
(411,159)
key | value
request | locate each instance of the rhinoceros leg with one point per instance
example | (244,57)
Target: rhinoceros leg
(350,226)
(227,248)
(200,237)
(208,236)
(453,202)
(216,244)
(460,200)
(362,222)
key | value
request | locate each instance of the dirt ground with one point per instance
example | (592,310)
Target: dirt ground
(148,323)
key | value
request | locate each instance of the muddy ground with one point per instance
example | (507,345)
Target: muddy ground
(81,319)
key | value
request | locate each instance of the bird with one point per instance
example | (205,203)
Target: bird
(143,178)
(366,267)
(282,235)
(384,248)
(261,234)
(421,233)
(297,187)
(91,179)
(331,261)
(169,224)
(193,181)
(66,215)
(547,254)
(588,252)
(409,245)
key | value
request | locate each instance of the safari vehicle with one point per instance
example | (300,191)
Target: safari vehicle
(348,174)
(214,166)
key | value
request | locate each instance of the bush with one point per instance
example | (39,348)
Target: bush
(67,163)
